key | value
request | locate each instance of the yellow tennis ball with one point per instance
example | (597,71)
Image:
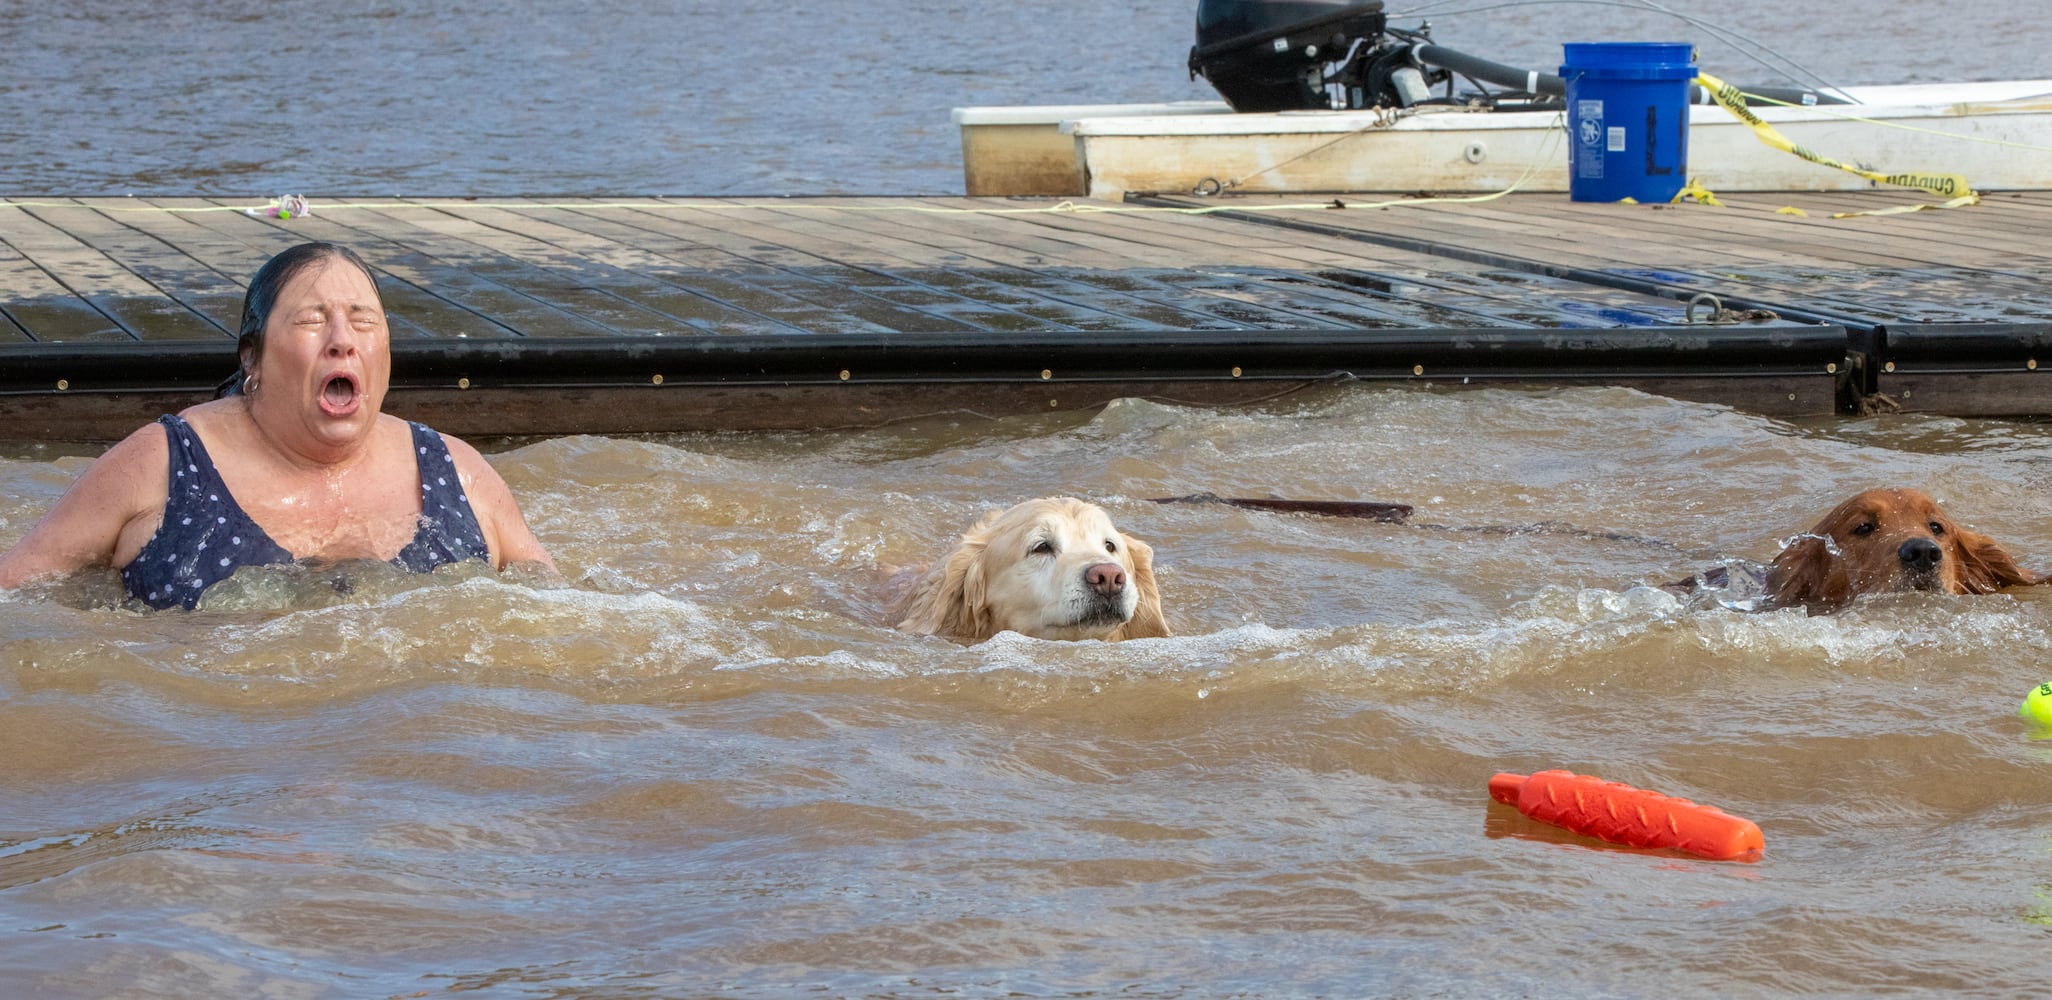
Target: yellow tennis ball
(2037,706)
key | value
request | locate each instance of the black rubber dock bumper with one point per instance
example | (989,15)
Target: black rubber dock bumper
(519,386)
(1963,370)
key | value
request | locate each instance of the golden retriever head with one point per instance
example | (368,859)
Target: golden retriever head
(1052,568)
(1888,540)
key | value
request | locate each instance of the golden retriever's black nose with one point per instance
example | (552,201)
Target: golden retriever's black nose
(1920,555)
(1105,578)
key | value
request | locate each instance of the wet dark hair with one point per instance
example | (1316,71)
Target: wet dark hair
(263,295)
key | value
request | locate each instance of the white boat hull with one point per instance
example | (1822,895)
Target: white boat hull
(1449,150)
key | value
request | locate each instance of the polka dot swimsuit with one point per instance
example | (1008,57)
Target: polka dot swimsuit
(206,536)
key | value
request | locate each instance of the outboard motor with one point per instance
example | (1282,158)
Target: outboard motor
(1271,55)
(1317,55)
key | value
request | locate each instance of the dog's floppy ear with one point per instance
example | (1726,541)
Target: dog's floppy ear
(1809,574)
(1985,566)
(970,617)
(951,599)
(1147,621)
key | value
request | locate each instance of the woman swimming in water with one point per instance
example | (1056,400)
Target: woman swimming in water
(296,463)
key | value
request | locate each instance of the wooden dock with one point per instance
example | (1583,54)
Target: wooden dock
(531,316)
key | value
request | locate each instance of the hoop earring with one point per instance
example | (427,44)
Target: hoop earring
(249,385)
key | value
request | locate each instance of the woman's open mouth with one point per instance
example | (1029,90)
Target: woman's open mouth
(339,395)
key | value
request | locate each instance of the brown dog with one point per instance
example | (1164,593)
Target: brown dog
(1052,568)
(1888,540)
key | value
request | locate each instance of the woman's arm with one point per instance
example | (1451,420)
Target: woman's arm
(104,519)
(512,542)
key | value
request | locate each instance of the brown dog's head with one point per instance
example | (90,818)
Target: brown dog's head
(1888,540)
(1053,568)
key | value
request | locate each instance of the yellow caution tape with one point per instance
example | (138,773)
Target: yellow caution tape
(1695,190)
(1951,186)
(1970,198)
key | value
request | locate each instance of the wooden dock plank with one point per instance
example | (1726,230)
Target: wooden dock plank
(1746,229)
(1878,267)
(249,242)
(1749,227)
(721,276)
(873,238)
(801,273)
(1736,254)
(871,268)
(1999,213)
(483,307)
(41,308)
(1642,236)
(1036,263)
(526,267)
(1108,258)
(1166,282)
(1646,239)
(139,308)
(881,267)
(210,294)
(1414,288)
(607,267)
(237,245)
(929,251)
(1589,235)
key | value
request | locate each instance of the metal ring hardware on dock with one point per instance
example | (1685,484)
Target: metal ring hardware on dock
(1720,315)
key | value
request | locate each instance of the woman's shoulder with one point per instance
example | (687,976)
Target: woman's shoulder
(214,409)
(146,448)
(460,450)
(216,418)
(133,476)
(469,462)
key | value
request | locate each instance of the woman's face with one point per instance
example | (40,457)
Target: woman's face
(327,359)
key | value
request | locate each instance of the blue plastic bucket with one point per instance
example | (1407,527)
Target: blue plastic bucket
(1628,119)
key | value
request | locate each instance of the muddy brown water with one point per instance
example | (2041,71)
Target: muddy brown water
(706,767)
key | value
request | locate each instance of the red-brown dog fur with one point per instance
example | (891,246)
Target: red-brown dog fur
(1875,534)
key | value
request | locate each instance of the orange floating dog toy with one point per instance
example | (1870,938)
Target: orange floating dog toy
(1634,817)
